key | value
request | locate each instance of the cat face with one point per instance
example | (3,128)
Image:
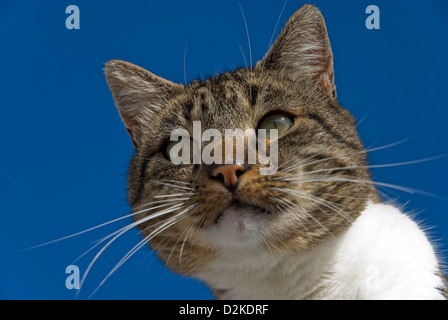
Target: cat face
(189,213)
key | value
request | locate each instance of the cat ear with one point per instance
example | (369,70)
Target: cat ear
(302,50)
(138,94)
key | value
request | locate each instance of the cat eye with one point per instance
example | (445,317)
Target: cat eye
(279,121)
(174,151)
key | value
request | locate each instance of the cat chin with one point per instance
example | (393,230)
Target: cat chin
(236,226)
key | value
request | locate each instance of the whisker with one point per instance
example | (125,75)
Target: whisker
(330,205)
(162,201)
(173,185)
(247,68)
(163,226)
(121,232)
(390,145)
(276,25)
(242,52)
(341,196)
(250,49)
(196,230)
(289,205)
(387,165)
(115,232)
(248,37)
(307,213)
(185,55)
(174,195)
(176,181)
(173,247)
(368,150)
(191,229)
(93,228)
(383,184)
(167,236)
(143,242)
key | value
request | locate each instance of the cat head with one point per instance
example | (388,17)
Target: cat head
(189,213)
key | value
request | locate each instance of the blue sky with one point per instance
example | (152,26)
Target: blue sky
(65,151)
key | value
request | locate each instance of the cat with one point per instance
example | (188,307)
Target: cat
(314,229)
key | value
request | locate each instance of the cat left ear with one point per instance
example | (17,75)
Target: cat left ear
(303,50)
(139,95)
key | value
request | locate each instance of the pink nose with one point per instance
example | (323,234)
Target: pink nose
(229,174)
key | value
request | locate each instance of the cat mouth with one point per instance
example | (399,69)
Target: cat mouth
(241,207)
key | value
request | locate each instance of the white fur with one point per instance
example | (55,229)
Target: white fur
(383,255)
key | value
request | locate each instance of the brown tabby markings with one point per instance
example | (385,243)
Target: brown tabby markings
(295,77)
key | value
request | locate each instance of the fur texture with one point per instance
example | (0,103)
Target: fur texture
(315,228)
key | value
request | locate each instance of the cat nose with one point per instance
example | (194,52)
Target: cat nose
(229,174)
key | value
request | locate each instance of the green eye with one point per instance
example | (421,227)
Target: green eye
(175,151)
(278,121)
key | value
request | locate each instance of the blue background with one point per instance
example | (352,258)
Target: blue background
(64,150)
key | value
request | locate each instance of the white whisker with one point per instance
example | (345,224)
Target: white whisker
(173,185)
(276,25)
(173,195)
(98,226)
(178,239)
(289,205)
(173,220)
(387,165)
(191,229)
(250,50)
(304,163)
(304,211)
(185,55)
(383,184)
(176,181)
(244,56)
(328,204)
(248,37)
(122,231)
(117,231)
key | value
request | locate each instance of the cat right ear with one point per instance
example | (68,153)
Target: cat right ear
(303,50)
(138,94)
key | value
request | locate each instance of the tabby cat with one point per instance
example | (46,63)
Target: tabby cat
(314,229)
